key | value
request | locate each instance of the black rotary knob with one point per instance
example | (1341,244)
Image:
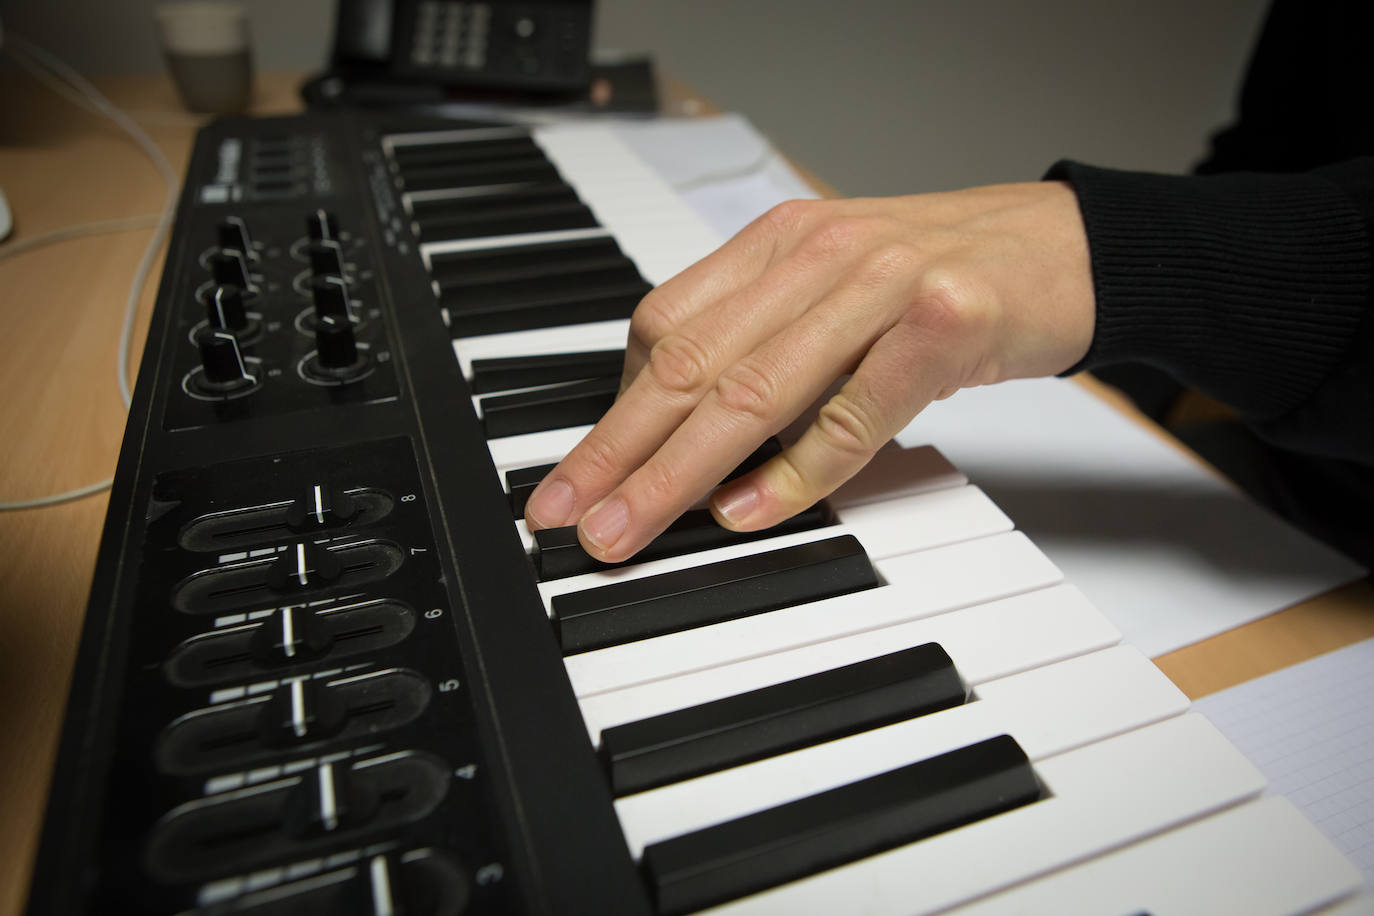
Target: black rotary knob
(230,268)
(321,225)
(335,343)
(226,309)
(326,258)
(224,369)
(233,233)
(331,297)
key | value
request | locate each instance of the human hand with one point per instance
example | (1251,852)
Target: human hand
(913,297)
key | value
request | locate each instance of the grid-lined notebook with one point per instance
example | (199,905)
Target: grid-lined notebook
(1310,729)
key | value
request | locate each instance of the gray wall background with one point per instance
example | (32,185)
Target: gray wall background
(875,96)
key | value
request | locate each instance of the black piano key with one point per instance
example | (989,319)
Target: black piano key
(510,372)
(622,612)
(427,155)
(555,407)
(558,554)
(522,481)
(479,174)
(493,265)
(524,195)
(511,221)
(612,280)
(552,310)
(780,718)
(831,828)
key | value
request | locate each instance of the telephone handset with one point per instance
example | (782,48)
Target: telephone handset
(541,45)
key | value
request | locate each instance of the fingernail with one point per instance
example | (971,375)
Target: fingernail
(550,504)
(737,504)
(604,526)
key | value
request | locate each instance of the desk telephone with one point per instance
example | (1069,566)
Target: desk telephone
(538,46)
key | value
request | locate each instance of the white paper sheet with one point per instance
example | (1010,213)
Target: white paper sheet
(1310,730)
(1169,552)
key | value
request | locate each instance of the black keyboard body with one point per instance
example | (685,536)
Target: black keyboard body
(190,770)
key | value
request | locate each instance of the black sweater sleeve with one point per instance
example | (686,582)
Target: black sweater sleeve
(1252,288)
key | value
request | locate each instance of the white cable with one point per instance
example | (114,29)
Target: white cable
(99,227)
(49,69)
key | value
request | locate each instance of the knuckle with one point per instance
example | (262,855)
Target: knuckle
(658,484)
(846,426)
(787,217)
(836,236)
(949,304)
(747,388)
(600,457)
(678,364)
(887,262)
(652,319)
(790,484)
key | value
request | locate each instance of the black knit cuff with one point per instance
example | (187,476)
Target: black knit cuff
(1246,287)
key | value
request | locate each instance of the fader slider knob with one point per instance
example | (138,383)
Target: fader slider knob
(322,506)
(291,636)
(302,710)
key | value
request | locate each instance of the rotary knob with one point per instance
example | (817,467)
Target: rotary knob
(331,296)
(326,258)
(226,311)
(322,225)
(223,369)
(230,268)
(233,233)
(336,345)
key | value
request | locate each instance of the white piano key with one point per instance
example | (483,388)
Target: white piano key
(459,135)
(1048,710)
(530,449)
(1104,795)
(655,227)
(1262,859)
(986,641)
(885,529)
(568,338)
(488,242)
(924,584)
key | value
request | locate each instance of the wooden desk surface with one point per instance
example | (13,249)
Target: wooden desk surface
(62,421)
